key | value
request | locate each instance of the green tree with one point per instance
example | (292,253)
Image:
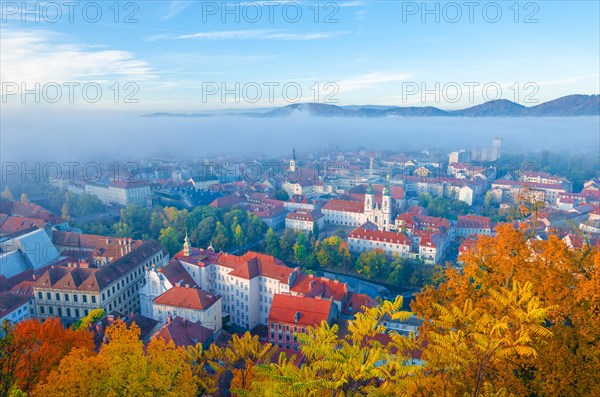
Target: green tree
(170,240)
(281,194)
(272,244)
(301,248)
(372,263)
(92,317)
(221,238)
(238,236)
(286,244)
(316,230)
(203,233)
(138,218)
(89,204)
(332,252)
(157,222)
(121,229)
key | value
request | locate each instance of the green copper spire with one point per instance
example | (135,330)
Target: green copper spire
(386,188)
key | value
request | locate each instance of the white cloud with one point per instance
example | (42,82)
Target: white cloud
(371,80)
(254,34)
(176,6)
(44,56)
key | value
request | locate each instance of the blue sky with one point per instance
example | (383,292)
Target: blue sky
(180,55)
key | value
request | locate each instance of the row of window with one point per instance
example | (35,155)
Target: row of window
(67,297)
(287,328)
(59,312)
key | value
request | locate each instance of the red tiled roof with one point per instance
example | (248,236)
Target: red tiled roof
(344,206)
(473,221)
(129,184)
(184,332)
(23,288)
(12,224)
(356,301)
(252,264)
(396,192)
(308,216)
(311,286)
(28,210)
(469,243)
(176,274)
(379,235)
(186,297)
(226,202)
(299,310)
(87,246)
(422,221)
(96,279)
(10,302)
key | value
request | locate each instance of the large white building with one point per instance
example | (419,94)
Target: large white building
(365,239)
(70,293)
(190,303)
(121,192)
(244,285)
(355,213)
(547,192)
(305,221)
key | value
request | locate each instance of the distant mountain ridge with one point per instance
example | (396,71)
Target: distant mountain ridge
(567,106)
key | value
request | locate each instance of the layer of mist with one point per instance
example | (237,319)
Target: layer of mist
(130,137)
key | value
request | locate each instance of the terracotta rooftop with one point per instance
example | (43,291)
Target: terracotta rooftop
(253,264)
(311,286)
(10,302)
(122,184)
(344,206)
(299,310)
(12,224)
(379,235)
(96,279)
(29,210)
(355,303)
(473,221)
(184,332)
(187,298)
(176,274)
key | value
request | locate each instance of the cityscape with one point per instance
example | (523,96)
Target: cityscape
(188,209)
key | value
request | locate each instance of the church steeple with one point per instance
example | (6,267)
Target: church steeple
(386,188)
(293,161)
(187,248)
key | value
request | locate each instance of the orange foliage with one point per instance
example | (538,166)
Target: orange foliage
(37,348)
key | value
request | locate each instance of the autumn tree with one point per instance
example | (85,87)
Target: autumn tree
(122,368)
(241,356)
(357,364)
(560,280)
(333,252)
(30,349)
(372,263)
(92,317)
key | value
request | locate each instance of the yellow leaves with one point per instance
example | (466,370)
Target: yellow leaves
(121,368)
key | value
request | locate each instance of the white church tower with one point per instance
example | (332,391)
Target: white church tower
(386,206)
(187,247)
(293,161)
(155,284)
